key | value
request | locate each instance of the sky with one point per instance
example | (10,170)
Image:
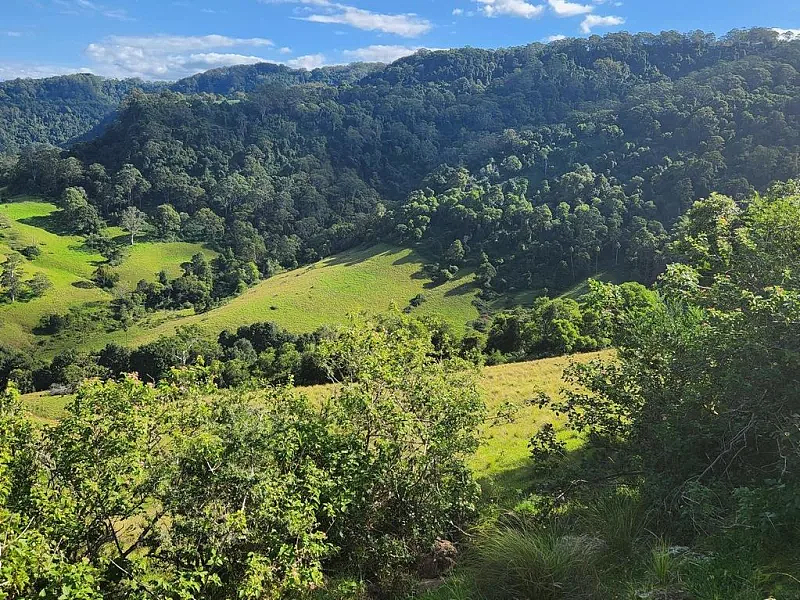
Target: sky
(170,39)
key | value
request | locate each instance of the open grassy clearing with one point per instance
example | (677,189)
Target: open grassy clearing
(44,408)
(146,259)
(62,260)
(506,445)
(324,293)
(69,266)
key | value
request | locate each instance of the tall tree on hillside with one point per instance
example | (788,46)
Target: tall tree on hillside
(167,222)
(133,220)
(130,186)
(11,276)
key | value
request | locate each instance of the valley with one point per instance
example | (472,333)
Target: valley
(468,324)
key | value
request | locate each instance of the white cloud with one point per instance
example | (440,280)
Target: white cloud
(179,43)
(407,25)
(326,11)
(13,33)
(309,61)
(512,8)
(569,9)
(787,34)
(591,21)
(87,7)
(169,57)
(457,12)
(555,38)
(381,53)
(285,50)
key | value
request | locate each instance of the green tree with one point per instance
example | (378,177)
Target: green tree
(409,421)
(455,253)
(167,222)
(105,277)
(79,216)
(129,186)
(700,376)
(39,284)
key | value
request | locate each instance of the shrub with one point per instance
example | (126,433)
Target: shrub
(418,300)
(105,277)
(31,252)
(39,284)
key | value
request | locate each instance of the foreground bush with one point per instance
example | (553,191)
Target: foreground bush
(186,491)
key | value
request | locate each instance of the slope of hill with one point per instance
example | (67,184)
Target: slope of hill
(69,267)
(504,452)
(550,160)
(364,279)
(248,78)
(505,445)
(70,108)
(324,293)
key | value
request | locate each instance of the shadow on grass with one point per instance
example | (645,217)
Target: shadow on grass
(52,223)
(358,255)
(509,486)
(462,289)
(558,476)
(411,257)
(124,239)
(421,274)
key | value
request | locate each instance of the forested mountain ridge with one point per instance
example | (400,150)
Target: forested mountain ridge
(61,110)
(540,162)
(57,110)
(248,78)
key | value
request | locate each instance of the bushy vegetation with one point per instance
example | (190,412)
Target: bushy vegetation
(685,485)
(182,490)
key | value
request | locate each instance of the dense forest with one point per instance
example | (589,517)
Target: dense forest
(536,164)
(65,109)
(58,110)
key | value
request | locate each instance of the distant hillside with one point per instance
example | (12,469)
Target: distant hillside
(248,78)
(62,110)
(59,110)
(69,266)
(324,293)
(535,166)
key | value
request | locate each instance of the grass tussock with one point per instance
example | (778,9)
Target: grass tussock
(537,563)
(619,519)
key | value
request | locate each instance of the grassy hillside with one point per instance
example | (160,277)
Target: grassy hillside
(505,447)
(68,266)
(369,279)
(324,293)
(62,260)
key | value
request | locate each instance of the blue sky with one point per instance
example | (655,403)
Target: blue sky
(168,39)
